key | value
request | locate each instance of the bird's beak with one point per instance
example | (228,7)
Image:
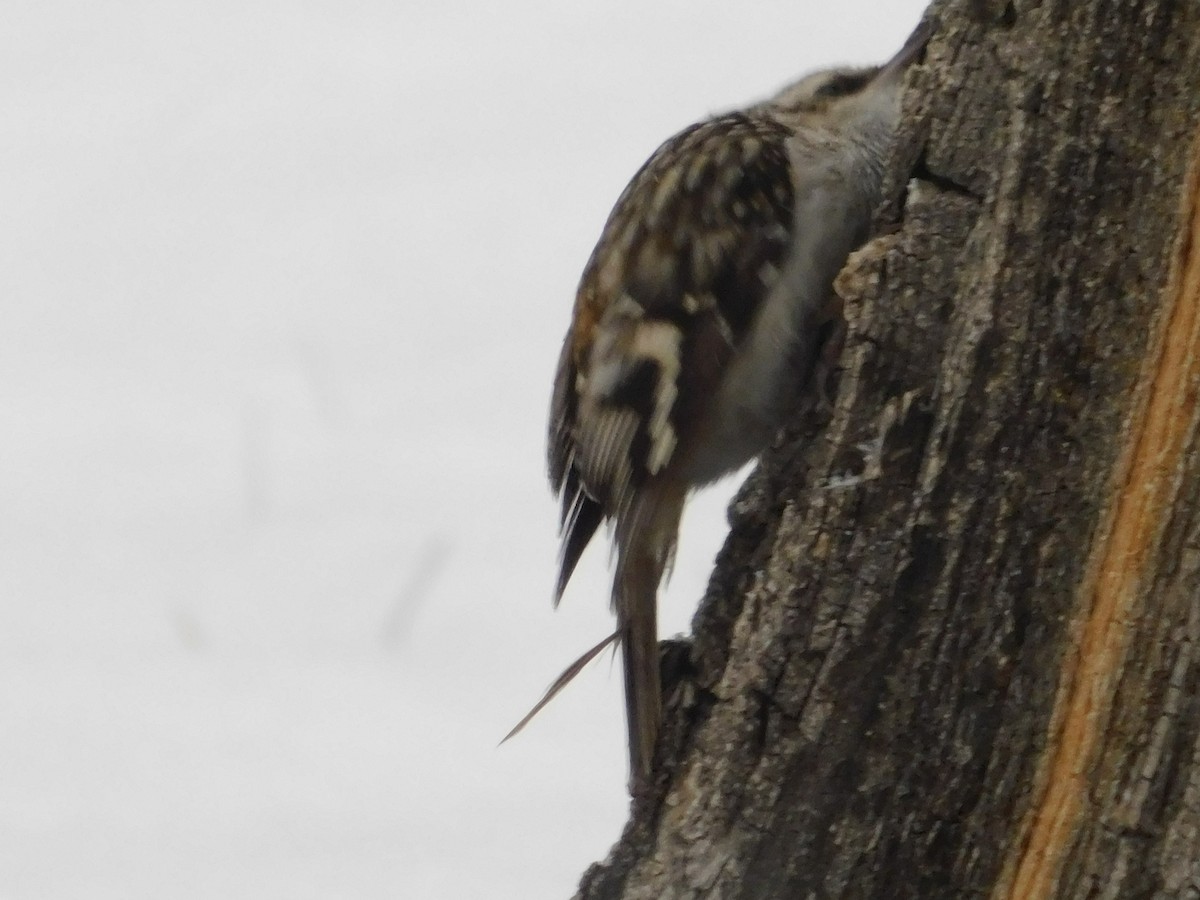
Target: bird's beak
(912,50)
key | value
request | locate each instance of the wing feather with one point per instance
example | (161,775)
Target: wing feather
(685,260)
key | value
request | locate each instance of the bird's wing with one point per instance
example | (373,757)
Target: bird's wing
(690,251)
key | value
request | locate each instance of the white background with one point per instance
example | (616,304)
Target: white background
(282,289)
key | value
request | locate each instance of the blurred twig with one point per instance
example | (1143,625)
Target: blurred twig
(430,562)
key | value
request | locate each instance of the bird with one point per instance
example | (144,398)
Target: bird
(704,316)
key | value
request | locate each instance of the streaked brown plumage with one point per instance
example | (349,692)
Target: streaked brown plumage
(698,326)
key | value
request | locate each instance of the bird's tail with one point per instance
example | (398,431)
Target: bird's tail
(645,547)
(561,682)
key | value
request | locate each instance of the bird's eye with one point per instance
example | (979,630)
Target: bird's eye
(843,85)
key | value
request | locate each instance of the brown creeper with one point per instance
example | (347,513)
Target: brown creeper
(698,325)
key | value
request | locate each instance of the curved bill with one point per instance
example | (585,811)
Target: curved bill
(909,53)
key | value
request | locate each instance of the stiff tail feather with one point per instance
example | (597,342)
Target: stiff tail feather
(561,682)
(637,619)
(646,545)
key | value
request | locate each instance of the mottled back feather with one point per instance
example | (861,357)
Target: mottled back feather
(689,252)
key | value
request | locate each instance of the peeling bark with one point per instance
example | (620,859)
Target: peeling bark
(950,647)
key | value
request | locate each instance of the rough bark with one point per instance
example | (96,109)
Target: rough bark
(950,648)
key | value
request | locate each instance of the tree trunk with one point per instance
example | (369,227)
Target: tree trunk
(952,646)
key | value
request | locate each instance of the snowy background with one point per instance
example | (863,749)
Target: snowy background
(283,286)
